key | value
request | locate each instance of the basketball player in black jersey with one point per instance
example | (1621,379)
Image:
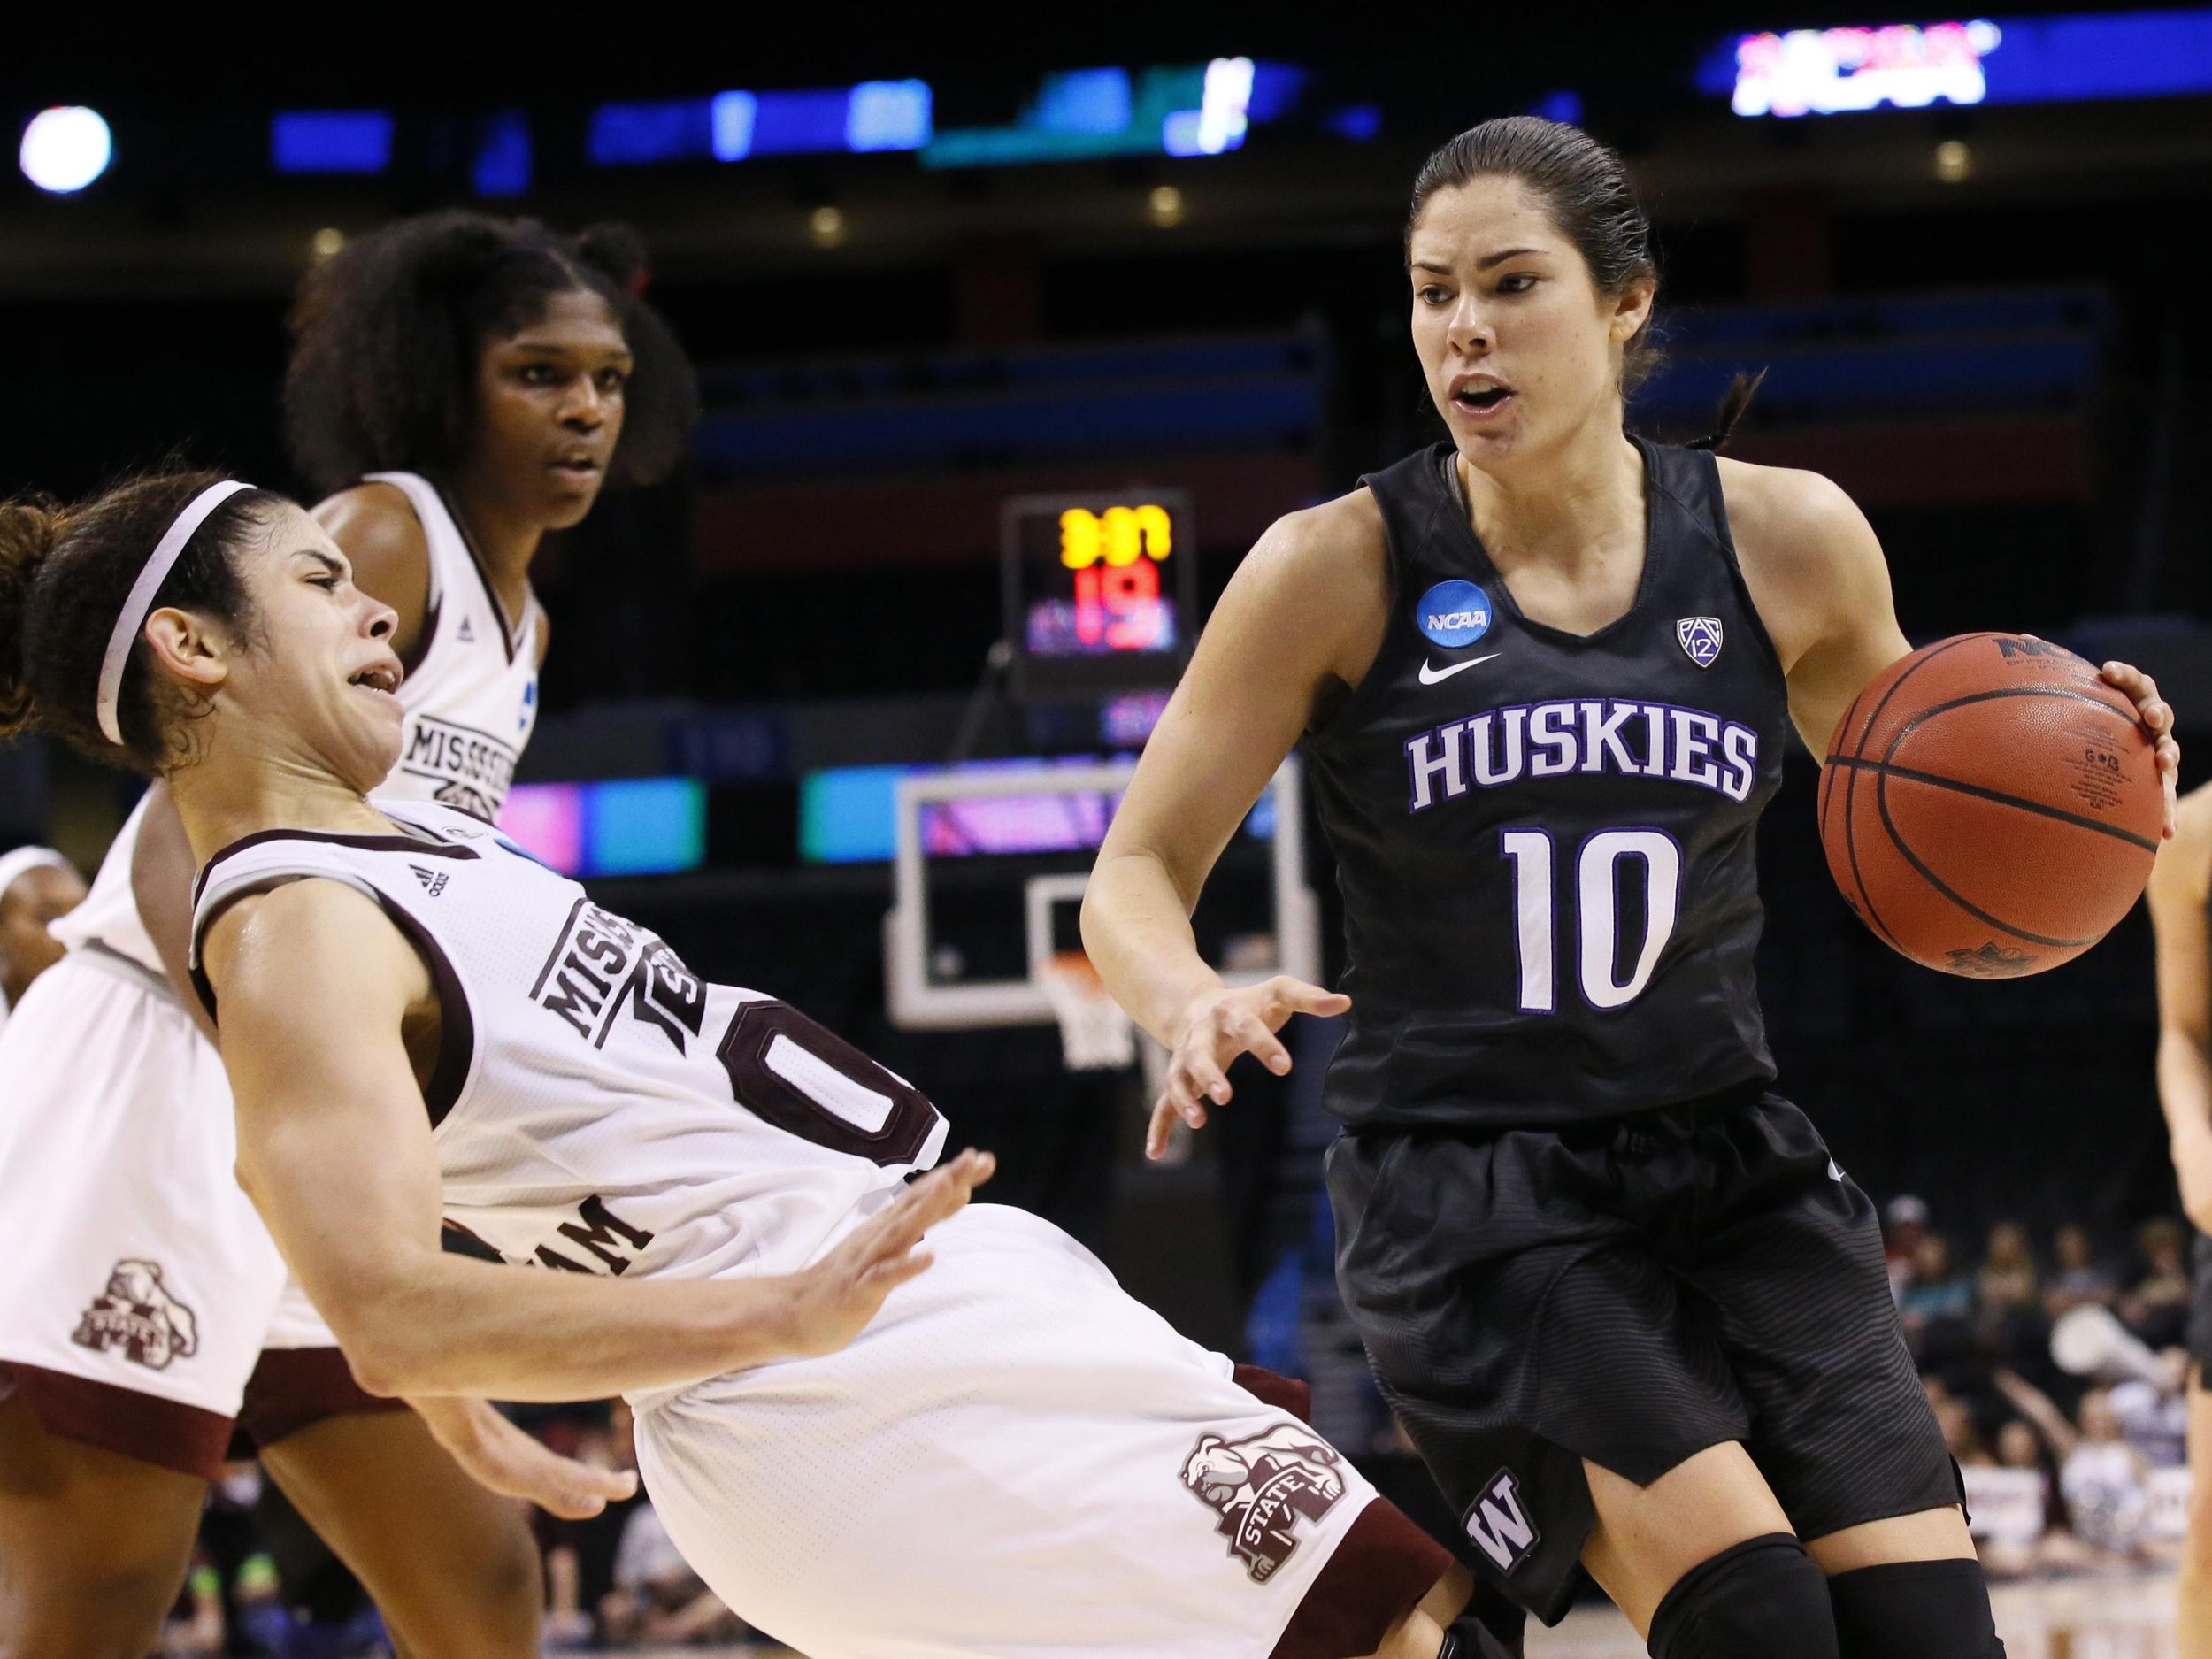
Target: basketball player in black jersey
(2181,912)
(1630,1312)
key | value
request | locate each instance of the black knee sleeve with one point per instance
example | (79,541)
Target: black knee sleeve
(1491,1628)
(1915,1610)
(1761,1598)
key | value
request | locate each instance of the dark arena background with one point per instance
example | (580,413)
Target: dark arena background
(941,298)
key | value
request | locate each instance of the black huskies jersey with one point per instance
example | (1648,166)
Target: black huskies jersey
(1545,841)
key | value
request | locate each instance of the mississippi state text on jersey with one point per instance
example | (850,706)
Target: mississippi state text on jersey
(471,696)
(1545,841)
(598,1107)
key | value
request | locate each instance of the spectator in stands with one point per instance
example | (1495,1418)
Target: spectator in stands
(1961,1435)
(1903,1220)
(2076,1278)
(2008,1501)
(1936,1288)
(2007,1281)
(2153,1412)
(579,1555)
(657,1598)
(2157,1309)
(2107,1483)
(194,1627)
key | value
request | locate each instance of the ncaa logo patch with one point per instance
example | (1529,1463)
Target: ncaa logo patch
(1452,614)
(1700,639)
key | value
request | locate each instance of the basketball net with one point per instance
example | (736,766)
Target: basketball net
(1095,1034)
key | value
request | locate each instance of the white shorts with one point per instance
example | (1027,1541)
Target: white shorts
(1015,1458)
(136,1262)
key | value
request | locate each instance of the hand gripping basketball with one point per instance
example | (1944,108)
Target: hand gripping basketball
(1216,1028)
(833,1299)
(1991,804)
(2158,719)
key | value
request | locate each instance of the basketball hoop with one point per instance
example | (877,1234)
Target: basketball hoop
(1095,1034)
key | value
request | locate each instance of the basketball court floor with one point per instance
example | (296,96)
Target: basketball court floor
(2116,1617)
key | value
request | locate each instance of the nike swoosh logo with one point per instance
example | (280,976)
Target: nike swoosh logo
(1430,676)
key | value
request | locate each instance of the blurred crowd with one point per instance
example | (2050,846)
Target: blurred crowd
(2061,1377)
(264,1585)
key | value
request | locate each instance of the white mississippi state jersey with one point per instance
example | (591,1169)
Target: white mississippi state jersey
(472,697)
(468,708)
(109,915)
(597,1107)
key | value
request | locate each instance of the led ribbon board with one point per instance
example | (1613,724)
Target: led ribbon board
(2079,58)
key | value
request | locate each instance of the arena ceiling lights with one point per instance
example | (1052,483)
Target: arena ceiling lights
(65,149)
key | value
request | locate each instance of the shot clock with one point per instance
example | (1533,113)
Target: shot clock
(1100,590)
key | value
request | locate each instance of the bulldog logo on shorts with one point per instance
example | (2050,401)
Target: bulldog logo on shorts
(136,1317)
(1263,1486)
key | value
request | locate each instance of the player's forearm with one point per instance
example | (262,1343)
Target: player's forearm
(443,1325)
(1137,931)
(2184,1090)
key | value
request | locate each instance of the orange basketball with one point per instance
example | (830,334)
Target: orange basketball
(1991,807)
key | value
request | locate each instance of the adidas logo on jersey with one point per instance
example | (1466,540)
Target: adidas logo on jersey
(467,635)
(432,881)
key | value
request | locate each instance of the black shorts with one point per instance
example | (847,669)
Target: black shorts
(1631,1290)
(2200,1337)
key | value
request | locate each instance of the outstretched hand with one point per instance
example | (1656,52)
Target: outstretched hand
(503,1458)
(2157,715)
(1220,1026)
(833,1299)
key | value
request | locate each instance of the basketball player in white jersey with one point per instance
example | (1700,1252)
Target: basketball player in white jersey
(1004,1457)
(38,886)
(467,464)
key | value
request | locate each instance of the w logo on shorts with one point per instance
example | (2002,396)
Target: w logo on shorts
(1263,1486)
(136,1316)
(1498,1524)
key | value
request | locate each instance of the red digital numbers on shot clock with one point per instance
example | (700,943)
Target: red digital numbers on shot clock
(1115,557)
(1099,590)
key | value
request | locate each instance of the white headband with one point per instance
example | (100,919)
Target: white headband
(15,865)
(167,551)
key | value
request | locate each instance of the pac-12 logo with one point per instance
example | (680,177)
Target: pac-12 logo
(1453,614)
(1700,639)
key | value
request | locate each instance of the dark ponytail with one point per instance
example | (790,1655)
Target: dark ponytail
(65,574)
(1741,390)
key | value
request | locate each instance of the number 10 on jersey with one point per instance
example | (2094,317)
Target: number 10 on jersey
(1594,898)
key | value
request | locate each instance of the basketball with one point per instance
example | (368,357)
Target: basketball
(1991,807)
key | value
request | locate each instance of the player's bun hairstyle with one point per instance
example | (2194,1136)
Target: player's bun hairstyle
(386,334)
(1585,187)
(65,573)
